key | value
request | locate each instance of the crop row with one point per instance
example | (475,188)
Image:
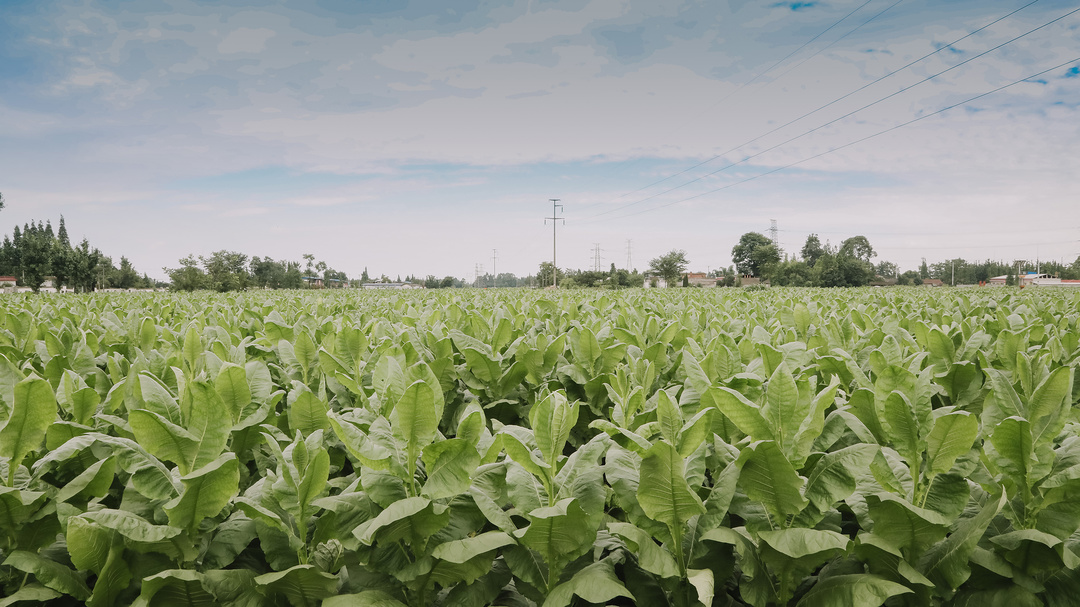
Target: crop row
(786,447)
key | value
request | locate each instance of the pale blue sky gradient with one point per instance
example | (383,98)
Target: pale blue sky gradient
(415,137)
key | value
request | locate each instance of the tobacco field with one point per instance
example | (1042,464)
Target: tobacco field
(675,448)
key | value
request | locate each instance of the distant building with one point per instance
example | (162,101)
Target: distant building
(312,282)
(1032,279)
(655,282)
(699,279)
(932,282)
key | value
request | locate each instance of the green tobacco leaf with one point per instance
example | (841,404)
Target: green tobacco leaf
(49,573)
(181,587)
(669,417)
(368,598)
(833,476)
(164,439)
(746,416)
(1044,410)
(307,412)
(560,533)
(784,409)
(952,436)
(449,464)
(853,590)
(596,583)
(206,491)
(30,593)
(768,478)
(207,420)
(651,556)
(131,526)
(302,585)
(946,563)
(34,409)
(551,420)
(414,518)
(902,426)
(663,492)
(905,526)
(413,420)
(460,551)
(232,386)
(1012,441)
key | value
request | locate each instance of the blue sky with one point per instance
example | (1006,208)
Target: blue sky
(416,137)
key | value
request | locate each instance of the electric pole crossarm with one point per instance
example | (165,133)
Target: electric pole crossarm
(555,206)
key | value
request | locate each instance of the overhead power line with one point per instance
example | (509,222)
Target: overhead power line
(835,120)
(857,141)
(827,105)
(762,73)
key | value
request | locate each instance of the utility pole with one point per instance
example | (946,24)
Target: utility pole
(596,256)
(479,268)
(555,206)
(628,264)
(494,276)
(773,234)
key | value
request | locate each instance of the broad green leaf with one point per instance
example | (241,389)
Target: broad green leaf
(181,587)
(946,563)
(49,573)
(307,412)
(596,583)
(833,477)
(413,419)
(902,426)
(551,420)
(130,525)
(560,533)
(302,585)
(746,416)
(1012,441)
(663,492)
(783,409)
(952,436)
(206,491)
(449,465)
(460,551)
(232,387)
(412,518)
(1044,410)
(368,598)
(650,556)
(33,410)
(767,477)
(207,420)
(164,439)
(852,590)
(30,593)
(905,526)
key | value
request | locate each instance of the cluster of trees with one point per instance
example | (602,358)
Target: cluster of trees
(850,265)
(34,252)
(232,271)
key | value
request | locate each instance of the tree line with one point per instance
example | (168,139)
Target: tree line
(34,253)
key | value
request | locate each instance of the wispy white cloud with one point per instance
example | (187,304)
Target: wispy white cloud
(452,119)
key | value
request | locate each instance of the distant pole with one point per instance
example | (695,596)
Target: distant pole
(628,264)
(773,233)
(494,275)
(555,206)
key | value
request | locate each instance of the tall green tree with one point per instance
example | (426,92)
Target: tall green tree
(812,250)
(670,266)
(743,253)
